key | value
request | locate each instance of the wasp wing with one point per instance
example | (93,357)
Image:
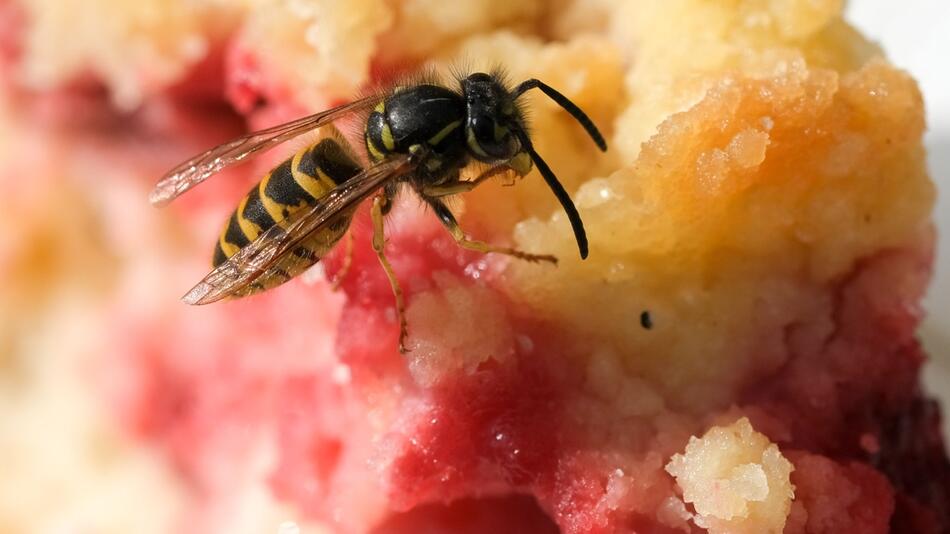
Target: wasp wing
(201,167)
(261,256)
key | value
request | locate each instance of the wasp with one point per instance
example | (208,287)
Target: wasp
(418,136)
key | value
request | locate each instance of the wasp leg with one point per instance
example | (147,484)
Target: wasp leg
(450,223)
(455,187)
(347,262)
(381,205)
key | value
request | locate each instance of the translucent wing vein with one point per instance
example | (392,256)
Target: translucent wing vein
(198,169)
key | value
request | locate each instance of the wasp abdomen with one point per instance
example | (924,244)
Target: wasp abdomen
(299,182)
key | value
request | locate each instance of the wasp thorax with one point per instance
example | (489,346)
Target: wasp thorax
(489,112)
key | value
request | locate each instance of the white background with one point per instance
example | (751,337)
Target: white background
(915,35)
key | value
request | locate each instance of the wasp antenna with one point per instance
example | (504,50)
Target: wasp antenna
(572,215)
(568,106)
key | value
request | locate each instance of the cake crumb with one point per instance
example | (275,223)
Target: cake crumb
(736,480)
(455,327)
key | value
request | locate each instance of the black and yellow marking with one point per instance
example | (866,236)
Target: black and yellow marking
(386,136)
(375,126)
(296,183)
(281,194)
(419,115)
(436,139)
(473,144)
(233,234)
(253,212)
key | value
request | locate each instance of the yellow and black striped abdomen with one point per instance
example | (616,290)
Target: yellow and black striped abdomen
(298,182)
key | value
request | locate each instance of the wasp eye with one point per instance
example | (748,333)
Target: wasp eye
(489,139)
(484,130)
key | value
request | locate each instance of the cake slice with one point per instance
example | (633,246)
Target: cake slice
(738,353)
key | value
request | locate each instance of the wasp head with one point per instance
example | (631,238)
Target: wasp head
(491,117)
